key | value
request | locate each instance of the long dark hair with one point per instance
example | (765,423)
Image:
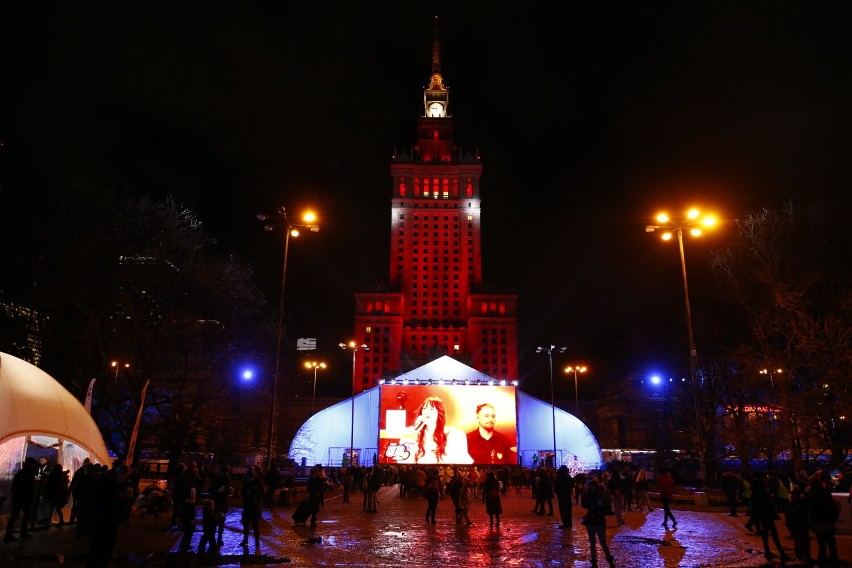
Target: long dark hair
(439,436)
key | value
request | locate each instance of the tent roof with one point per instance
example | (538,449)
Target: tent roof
(32,403)
(444,367)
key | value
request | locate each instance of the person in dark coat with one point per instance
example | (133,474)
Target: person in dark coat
(764,511)
(220,489)
(597,502)
(543,492)
(491,496)
(105,506)
(823,514)
(23,491)
(563,486)
(731,486)
(56,492)
(74,489)
(252,492)
(317,484)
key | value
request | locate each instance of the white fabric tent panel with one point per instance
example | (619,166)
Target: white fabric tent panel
(32,403)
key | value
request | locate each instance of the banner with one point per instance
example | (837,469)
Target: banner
(89,392)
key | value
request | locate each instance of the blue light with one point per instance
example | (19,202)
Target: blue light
(247,375)
(656,380)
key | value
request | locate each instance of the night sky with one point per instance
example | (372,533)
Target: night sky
(588,121)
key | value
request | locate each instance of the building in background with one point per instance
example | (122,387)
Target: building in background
(435,302)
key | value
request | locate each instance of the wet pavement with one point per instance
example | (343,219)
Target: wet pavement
(397,535)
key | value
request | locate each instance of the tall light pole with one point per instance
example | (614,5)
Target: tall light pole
(316,366)
(355,348)
(290,230)
(693,222)
(576,369)
(549,350)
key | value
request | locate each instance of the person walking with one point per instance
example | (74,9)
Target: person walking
(23,490)
(464,501)
(432,493)
(798,523)
(730,484)
(823,513)
(615,485)
(493,503)
(642,484)
(221,489)
(453,489)
(56,493)
(563,486)
(74,490)
(317,484)
(595,501)
(764,512)
(745,494)
(375,481)
(544,492)
(666,487)
(209,524)
(251,492)
(346,480)
(105,505)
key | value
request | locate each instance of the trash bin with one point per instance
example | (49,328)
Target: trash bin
(285,498)
(701,499)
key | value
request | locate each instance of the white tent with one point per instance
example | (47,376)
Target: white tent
(38,415)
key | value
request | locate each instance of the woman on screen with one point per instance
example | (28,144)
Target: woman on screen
(430,440)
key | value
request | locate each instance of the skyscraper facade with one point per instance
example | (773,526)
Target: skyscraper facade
(435,302)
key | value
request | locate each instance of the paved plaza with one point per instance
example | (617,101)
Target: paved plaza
(397,535)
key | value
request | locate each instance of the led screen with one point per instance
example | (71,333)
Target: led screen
(452,424)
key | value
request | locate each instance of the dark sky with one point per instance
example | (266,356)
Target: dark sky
(588,120)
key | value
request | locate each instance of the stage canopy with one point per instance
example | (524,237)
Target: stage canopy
(39,417)
(325,437)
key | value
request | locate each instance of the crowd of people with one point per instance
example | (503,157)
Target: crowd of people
(101,498)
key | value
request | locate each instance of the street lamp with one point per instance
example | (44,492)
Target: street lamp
(549,351)
(576,369)
(116,365)
(771,375)
(693,222)
(316,367)
(290,230)
(355,348)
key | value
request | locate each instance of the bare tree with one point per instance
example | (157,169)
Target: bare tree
(788,271)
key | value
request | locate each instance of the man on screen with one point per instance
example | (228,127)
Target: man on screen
(487,446)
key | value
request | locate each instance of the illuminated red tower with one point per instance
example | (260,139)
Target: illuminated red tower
(434,303)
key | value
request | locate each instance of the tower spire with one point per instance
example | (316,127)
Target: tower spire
(436,51)
(436,97)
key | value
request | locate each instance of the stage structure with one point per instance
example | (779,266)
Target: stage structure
(387,423)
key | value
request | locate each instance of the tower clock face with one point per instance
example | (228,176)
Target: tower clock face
(436,109)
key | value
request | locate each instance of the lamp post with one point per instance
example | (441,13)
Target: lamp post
(693,222)
(355,348)
(290,230)
(576,369)
(549,351)
(316,366)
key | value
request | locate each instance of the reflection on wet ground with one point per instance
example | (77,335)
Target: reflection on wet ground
(397,535)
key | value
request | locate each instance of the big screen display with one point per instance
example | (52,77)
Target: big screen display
(449,424)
